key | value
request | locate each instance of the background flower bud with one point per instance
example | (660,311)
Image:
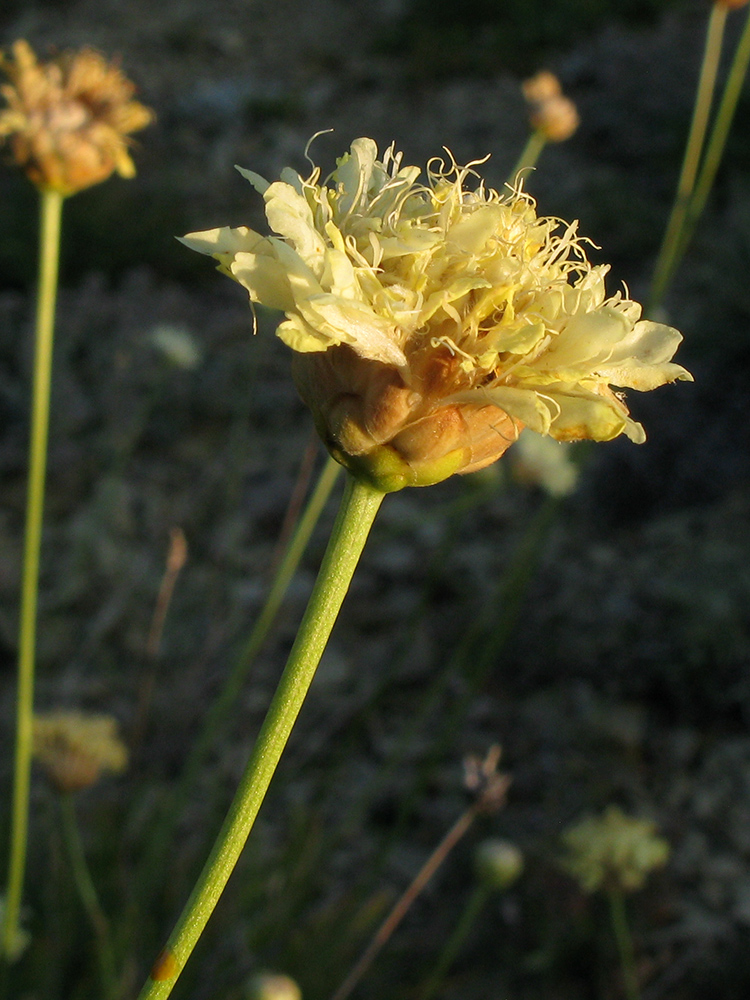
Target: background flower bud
(498,863)
(272,986)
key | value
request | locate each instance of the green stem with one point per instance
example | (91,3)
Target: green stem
(624,943)
(667,260)
(87,893)
(356,514)
(49,239)
(227,697)
(455,942)
(718,138)
(529,156)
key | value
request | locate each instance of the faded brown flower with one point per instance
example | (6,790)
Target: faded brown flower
(67,121)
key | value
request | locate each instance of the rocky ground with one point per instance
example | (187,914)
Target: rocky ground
(618,672)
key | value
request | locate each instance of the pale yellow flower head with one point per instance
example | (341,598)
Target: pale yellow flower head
(68,120)
(432,321)
(74,748)
(613,851)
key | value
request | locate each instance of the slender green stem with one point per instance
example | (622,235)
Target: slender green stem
(455,942)
(624,943)
(51,211)
(87,893)
(530,154)
(666,262)
(217,714)
(356,514)
(718,138)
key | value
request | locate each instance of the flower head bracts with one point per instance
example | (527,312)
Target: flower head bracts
(460,295)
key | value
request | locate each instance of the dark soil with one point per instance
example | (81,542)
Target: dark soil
(619,671)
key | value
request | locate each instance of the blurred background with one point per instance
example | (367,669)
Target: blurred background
(603,639)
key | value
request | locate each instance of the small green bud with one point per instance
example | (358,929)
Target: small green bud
(498,863)
(272,986)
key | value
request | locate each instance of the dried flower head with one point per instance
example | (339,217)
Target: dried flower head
(613,851)
(67,120)
(550,112)
(431,322)
(488,786)
(75,748)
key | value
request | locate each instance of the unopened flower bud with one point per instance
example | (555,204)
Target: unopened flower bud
(550,112)
(272,986)
(498,863)
(74,748)
(68,120)
(543,86)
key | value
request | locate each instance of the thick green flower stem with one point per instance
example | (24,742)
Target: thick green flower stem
(624,940)
(51,210)
(719,134)
(87,894)
(666,262)
(359,506)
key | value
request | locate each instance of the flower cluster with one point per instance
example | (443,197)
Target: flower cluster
(432,321)
(613,851)
(68,119)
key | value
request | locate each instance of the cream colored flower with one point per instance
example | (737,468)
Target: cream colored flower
(68,119)
(613,851)
(75,748)
(431,322)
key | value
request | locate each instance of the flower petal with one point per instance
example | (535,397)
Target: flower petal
(264,278)
(290,216)
(216,242)
(587,416)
